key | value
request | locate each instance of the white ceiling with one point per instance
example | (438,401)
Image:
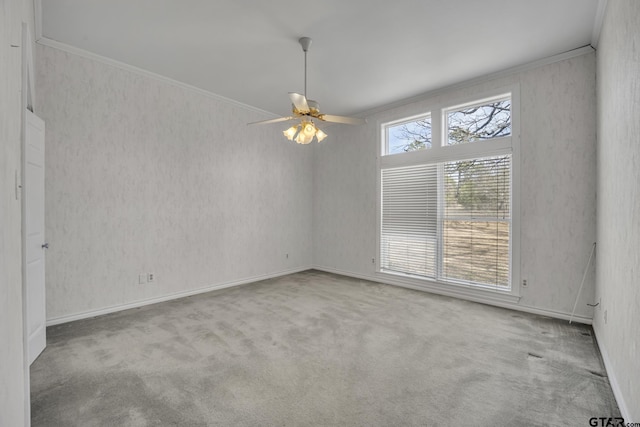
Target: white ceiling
(365,53)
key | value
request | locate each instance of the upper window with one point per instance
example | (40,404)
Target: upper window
(477,122)
(408,135)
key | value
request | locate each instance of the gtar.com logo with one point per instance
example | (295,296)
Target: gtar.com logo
(606,422)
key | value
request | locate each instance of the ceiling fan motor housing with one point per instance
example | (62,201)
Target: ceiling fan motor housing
(305,42)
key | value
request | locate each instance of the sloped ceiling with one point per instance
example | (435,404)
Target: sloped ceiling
(365,53)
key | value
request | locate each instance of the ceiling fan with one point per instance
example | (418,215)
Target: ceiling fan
(306,110)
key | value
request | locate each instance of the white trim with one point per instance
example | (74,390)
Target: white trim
(37,17)
(552,313)
(439,153)
(613,382)
(26,87)
(584,50)
(597,22)
(405,120)
(140,303)
(381,134)
(516,172)
(29,72)
(121,65)
(476,103)
(504,301)
(488,148)
(455,287)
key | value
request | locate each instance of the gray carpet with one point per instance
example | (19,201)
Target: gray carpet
(317,349)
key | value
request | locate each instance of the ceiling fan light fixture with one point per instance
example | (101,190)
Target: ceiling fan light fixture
(305,132)
(320,135)
(309,129)
(306,110)
(303,138)
(291,132)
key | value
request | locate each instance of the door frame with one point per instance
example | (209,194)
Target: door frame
(28,101)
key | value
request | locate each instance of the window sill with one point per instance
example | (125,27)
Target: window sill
(469,292)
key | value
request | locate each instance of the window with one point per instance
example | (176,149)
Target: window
(446,196)
(476,220)
(409,135)
(474,123)
(409,220)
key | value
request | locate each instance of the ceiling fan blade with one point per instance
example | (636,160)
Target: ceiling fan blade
(342,119)
(264,122)
(300,102)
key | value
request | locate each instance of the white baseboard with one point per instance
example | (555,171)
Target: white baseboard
(140,303)
(495,301)
(613,381)
(552,313)
(509,302)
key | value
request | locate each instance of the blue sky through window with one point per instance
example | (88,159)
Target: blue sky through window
(409,136)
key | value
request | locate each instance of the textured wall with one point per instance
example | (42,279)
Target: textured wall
(558,184)
(146,176)
(558,165)
(618,261)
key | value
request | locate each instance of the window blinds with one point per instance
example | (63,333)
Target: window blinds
(448,221)
(476,220)
(408,237)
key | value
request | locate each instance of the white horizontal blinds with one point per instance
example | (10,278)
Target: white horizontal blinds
(476,221)
(409,220)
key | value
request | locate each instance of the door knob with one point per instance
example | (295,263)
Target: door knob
(45,246)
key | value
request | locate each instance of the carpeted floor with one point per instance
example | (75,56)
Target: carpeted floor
(317,349)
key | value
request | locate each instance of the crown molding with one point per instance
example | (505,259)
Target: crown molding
(584,50)
(597,23)
(28,71)
(44,41)
(37,17)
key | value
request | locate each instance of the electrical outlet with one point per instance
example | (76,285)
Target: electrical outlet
(142,279)
(524,283)
(151,277)
(605,317)
(373,260)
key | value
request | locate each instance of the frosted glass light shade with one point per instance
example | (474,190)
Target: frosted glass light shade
(303,138)
(304,132)
(320,135)
(291,132)
(309,129)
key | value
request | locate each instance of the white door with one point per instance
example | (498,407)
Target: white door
(34,243)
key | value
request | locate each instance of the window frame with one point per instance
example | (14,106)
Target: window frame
(385,137)
(441,152)
(478,103)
